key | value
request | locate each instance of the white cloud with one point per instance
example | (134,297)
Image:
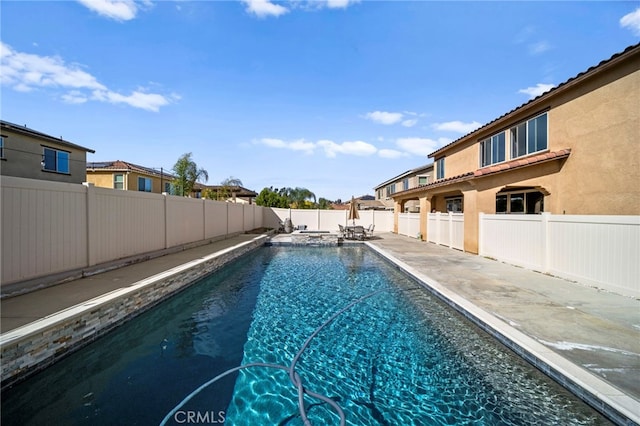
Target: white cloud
(119,10)
(457,126)
(302,145)
(340,4)
(297,145)
(148,101)
(359,148)
(264,8)
(538,90)
(409,123)
(331,149)
(74,97)
(273,143)
(383,117)
(539,47)
(631,21)
(391,153)
(26,72)
(421,146)
(30,71)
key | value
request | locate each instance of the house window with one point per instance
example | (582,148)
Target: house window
(492,150)
(1,146)
(391,189)
(405,184)
(454,204)
(118,181)
(520,202)
(423,180)
(440,168)
(144,184)
(529,137)
(54,160)
(167,187)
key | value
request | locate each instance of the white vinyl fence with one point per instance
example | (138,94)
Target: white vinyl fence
(599,250)
(328,220)
(409,225)
(52,227)
(446,229)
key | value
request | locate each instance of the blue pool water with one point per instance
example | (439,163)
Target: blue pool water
(398,357)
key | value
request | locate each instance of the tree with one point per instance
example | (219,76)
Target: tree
(186,174)
(226,187)
(270,197)
(324,204)
(298,196)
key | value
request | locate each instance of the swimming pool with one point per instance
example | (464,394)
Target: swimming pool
(399,356)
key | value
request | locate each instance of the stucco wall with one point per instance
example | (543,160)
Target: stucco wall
(599,121)
(602,128)
(23,156)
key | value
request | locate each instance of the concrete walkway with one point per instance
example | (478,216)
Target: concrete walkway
(595,333)
(590,334)
(20,310)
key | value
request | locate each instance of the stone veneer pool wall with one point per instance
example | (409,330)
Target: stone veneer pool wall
(35,346)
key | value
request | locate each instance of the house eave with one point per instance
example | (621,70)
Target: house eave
(493,170)
(23,130)
(542,100)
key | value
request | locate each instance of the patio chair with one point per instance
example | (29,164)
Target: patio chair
(359,232)
(343,232)
(369,230)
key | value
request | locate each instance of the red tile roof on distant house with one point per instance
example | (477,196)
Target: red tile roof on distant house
(123,166)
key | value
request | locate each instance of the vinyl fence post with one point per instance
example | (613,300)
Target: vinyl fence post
(481,234)
(91,225)
(166,222)
(546,243)
(450,217)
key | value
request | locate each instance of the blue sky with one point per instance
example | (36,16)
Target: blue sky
(334,96)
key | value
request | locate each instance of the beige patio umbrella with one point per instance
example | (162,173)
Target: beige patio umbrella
(353,210)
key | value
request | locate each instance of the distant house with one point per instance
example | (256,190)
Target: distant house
(365,202)
(128,176)
(411,179)
(232,194)
(572,150)
(27,153)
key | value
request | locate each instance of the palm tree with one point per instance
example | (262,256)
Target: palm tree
(186,174)
(298,196)
(226,192)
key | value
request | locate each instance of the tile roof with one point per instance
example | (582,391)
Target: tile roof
(497,168)
(426,167)
(523,162)
(240,191)
(627,52)
(442,182)
(124,166)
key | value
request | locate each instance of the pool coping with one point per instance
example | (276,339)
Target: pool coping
(34,346)
(603,397)
(614,404)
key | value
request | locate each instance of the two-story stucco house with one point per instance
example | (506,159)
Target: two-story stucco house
(411,179)
(27,153)
(572,150)
(128,176)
